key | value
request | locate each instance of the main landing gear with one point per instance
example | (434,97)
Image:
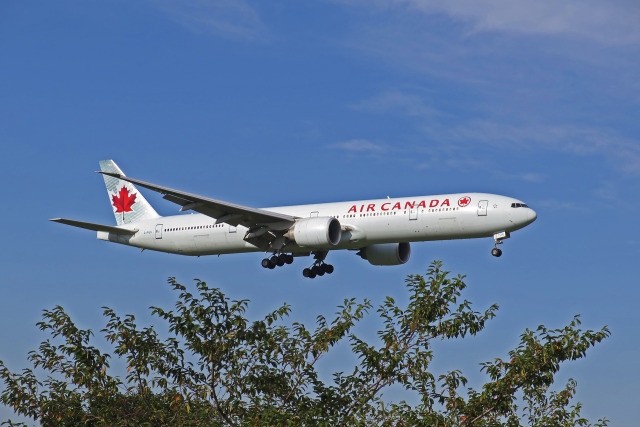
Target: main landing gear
(499,237)
(317,270)
(319,267)
(277,261)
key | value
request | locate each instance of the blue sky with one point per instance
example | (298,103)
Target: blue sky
(289,102)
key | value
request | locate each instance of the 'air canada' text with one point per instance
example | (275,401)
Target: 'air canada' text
(389,206)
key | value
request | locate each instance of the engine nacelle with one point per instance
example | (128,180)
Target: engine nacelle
(386,253)
(323,231)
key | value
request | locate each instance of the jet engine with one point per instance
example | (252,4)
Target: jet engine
(316,232)
(386,253)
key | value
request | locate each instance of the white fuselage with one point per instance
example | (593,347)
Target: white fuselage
(367,222)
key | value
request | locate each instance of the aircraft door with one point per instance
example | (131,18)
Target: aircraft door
(482,207)
(159,231)
(413,214)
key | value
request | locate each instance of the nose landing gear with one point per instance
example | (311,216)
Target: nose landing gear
(499,237)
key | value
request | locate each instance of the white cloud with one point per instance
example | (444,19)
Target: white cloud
(625,153)
(396,102)
(456,144)
(531,177)
(231,19)
(610,22)
(360,146)
(622,153)
(579,140)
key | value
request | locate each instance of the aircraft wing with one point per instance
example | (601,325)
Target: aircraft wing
(226,212)
(95,227)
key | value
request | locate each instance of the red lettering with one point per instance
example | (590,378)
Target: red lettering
(361,207)
(422,204)
(409,205)
(397,206)
(371,208)
(353,209)
(433,204)
(445,203)
(383,206)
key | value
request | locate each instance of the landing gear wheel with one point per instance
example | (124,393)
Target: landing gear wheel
(319,267)
(496,252)
(316,270)
(277,260)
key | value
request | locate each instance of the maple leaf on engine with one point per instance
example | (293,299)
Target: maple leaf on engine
(124,201)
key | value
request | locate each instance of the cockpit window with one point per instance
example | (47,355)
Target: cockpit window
(519,205)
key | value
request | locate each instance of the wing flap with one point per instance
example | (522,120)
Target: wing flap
(229,213)
(95,227)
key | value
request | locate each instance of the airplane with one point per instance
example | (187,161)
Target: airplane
(380,230)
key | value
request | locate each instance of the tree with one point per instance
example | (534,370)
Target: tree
(219,368)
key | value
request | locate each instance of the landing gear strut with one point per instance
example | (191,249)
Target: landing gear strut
(277,261)
(499,237)
(319,267)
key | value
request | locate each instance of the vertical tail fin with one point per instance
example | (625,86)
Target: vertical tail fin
(127,202)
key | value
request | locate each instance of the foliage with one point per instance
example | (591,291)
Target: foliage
(219,368)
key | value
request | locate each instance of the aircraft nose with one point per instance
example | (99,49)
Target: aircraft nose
(532,216)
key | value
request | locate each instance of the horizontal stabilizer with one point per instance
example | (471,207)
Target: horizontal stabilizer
(95,227)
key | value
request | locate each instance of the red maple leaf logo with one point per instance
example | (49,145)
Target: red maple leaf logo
(464,201)
(124,201)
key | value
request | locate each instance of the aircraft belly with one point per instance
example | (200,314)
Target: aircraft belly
(385,230)
(221,242)
(174,244)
